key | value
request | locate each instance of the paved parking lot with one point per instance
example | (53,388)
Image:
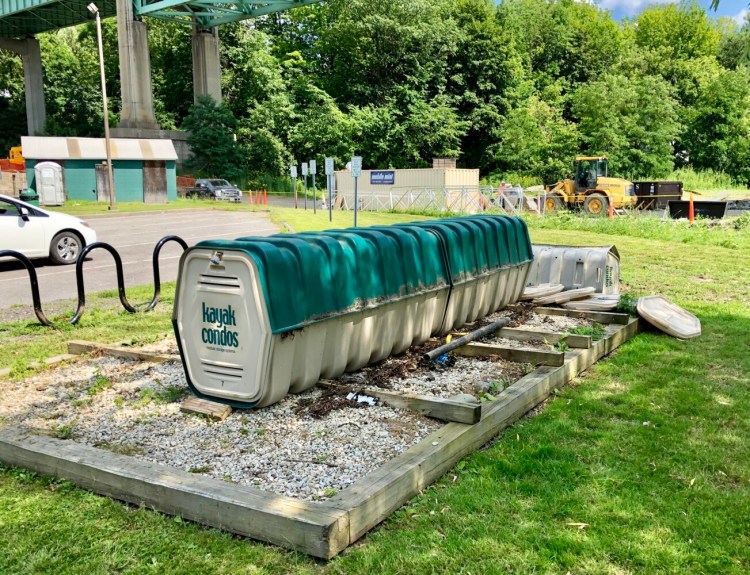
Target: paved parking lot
(134,235)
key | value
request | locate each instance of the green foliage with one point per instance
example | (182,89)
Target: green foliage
(633,121)
(704,180)
(597,331)
(717,135)
(211,127)
(537,141)
(514,88)
(98,384)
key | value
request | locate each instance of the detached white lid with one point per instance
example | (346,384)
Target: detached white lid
(541,290)
(668,317)
(566,296)
(597,302)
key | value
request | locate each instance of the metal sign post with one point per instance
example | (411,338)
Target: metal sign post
(315,190)
(356,173)
(304,175)
(329,183)
(293,171)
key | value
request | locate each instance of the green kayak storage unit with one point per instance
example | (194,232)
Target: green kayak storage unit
(259,317)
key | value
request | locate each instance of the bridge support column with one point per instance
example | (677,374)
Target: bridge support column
(135,71)
(31,55)
(206,63)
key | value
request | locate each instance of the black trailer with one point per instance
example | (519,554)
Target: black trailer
(655,195)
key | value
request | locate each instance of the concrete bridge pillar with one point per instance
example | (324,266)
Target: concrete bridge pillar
(206,63)
(135,71)
(31,55)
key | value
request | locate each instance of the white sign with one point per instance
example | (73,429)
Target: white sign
(304,168)
(294,171)
(312,167)
(329,166)
(356,166)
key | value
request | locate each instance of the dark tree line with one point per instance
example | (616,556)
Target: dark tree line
(515,89)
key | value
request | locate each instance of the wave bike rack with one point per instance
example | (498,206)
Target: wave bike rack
(34,282)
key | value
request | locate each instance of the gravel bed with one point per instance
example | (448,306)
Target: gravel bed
(133,408)
(467,375)
(532,320)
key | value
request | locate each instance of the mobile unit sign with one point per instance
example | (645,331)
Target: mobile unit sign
(382,177)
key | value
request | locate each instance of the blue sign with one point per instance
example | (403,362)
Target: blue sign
(382,177)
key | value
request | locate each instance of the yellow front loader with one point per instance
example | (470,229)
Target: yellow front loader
(590,189)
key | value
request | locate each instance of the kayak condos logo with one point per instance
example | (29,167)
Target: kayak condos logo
(220,319)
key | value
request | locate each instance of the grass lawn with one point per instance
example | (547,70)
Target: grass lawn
(641,466)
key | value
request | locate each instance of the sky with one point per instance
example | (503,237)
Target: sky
(736,9)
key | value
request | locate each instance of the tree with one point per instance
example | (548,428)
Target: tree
(212,134)
(170,47)
(371,50)
(563,42)
(717,135)
(12,101)
(633,121)
(484,71)
(536,140)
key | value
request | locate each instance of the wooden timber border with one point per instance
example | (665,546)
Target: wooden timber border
(322,529)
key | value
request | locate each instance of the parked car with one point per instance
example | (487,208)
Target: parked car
(214,190)
(37,233)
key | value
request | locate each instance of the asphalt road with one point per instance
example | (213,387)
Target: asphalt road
(134,235)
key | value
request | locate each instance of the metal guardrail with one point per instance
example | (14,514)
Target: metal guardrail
(34,283)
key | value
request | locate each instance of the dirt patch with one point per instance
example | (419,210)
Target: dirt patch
(330,400)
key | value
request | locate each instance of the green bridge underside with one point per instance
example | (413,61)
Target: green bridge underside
(19,18)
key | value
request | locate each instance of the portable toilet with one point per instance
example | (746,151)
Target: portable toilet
(49,183)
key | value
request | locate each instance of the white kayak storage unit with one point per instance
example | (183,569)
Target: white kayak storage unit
(257,318)
(576,267)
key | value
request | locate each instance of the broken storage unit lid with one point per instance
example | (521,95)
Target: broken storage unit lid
(542,290)
(565,296)
(596,302)
(577,267)
(668,317)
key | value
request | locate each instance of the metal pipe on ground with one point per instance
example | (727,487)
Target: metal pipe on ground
(469,337)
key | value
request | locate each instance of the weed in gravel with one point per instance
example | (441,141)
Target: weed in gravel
(596,331)
(329,492)
(63,431)
(562,345)
(82,402)
(159,395)
(200,469)
(100,383)
(119,401)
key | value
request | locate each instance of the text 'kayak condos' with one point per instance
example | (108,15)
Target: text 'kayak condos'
(220,319)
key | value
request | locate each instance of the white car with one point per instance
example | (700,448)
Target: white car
(37,233)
